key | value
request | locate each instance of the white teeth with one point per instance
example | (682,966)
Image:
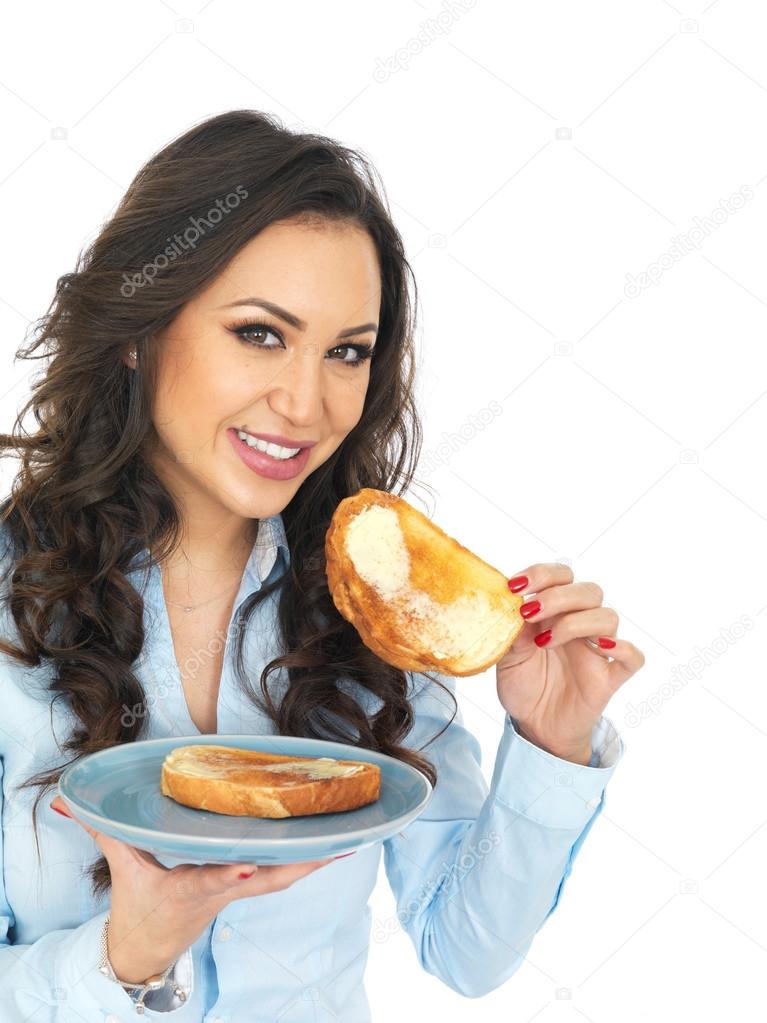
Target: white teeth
(271,449)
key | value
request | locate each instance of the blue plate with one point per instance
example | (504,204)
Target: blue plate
(117,792)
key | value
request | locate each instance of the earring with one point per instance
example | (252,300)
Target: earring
(133,354)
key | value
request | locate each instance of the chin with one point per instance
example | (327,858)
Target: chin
(259,500)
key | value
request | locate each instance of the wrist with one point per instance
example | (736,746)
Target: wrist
(577,755)
(131,965)
(583,757)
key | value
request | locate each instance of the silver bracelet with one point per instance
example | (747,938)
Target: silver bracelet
(137,992)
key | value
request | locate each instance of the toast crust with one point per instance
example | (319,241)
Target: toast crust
(422,601)
(249,783)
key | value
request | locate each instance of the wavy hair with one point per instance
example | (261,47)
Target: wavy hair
(86,502)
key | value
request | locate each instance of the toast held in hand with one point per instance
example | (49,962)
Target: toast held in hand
(419,599)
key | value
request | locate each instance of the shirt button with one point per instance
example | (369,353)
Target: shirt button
(219,1019)
(225,934)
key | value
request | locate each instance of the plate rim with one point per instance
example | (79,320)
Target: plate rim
(217,842)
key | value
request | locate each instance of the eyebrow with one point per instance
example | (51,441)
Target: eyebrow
(294,321)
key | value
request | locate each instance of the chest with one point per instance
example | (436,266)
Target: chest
(199,642)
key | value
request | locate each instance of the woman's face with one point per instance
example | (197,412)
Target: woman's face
(298,380)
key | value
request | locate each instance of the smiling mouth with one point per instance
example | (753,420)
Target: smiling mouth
(275,451)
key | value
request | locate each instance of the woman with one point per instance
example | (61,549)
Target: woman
(251,284)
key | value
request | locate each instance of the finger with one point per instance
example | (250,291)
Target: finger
(602,645)
(62,807)
(627,660)
(558,599)
(284,874)
(538,577)
(213,879)
(202,881)
(599,621)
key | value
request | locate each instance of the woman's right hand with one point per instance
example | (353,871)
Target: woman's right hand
(157,912)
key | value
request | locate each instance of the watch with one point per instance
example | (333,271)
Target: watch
(137,992)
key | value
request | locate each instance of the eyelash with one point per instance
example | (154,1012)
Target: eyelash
(364,352)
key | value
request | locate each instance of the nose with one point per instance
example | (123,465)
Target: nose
(296,393)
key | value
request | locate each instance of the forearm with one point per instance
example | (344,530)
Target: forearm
(502,874)
(503,880)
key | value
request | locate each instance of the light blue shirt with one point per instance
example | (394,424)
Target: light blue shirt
(474,877)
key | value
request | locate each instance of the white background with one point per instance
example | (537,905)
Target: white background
(538,157)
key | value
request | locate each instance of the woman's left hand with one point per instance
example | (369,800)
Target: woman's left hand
(556,691)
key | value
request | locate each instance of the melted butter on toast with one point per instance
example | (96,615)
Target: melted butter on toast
(217,764)
(377,548)
(375,543)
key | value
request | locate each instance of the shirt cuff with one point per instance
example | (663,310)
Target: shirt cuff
(547,789)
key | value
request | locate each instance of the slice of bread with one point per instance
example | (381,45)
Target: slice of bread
(248,783)
(419,599)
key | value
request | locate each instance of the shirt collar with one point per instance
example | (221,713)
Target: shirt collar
(270,539)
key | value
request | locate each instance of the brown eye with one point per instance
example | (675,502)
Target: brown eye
(244,329)
(364,352)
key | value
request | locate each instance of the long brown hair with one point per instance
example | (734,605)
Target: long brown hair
(86,502)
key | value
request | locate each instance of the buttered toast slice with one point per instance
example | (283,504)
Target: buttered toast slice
(248,783)
(418,598)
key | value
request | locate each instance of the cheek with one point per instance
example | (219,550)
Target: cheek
(195,395)
(346,399)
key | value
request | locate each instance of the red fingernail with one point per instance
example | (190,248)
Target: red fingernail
(519,582)
(344,854)
(62,812)
(246,876)
(606,643)
(542,638)
(532,607)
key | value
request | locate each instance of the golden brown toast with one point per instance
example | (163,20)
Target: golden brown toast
(248,783)
(419,599)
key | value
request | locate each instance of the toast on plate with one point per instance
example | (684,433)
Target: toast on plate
(248,783)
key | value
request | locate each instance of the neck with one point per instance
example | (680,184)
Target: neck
(213,539)
(221,550)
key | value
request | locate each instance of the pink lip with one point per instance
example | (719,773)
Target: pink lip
(264,464)
(284,442)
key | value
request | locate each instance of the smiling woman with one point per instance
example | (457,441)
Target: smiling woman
(163,548)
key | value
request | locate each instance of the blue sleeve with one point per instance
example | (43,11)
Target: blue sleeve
(479,872)
(56,979)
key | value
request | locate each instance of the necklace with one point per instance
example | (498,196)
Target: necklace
(185,607)
(193,607)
